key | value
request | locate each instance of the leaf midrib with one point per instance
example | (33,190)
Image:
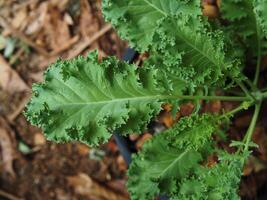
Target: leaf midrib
(155,7)
(185,40)
(197,49)
(173,163)
(110,101)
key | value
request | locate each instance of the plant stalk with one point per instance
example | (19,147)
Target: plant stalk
(264,95)
(247,92)
(243,106)
(252,126)
(257,73)
(222,98)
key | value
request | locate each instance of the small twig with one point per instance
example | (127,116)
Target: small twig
(253,87)
(25,4)
(22,37)
(12,116)
(243,106)
(16,56)
(252,126)
(65,46)
(78,48)
(10,79)
(13,83)
(88,42)
(243,87)
(9,196)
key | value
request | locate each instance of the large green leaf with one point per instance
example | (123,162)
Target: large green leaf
(157,165)
(85,100)
(137,20)
(219,182)
(173,163)
(170,156)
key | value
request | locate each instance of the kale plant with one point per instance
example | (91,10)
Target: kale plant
(191,58)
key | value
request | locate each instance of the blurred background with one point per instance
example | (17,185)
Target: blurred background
(33,34)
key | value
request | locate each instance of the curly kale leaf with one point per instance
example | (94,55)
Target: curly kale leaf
(246,20)
(173,163)
(170,157)
(219,182)
(261,12)
(84,100)
(193,55)
(177,36)
(137,20)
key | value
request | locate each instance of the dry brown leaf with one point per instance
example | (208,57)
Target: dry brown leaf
(61,194)
(260,138)
(213,106)
(39,139)
(77,49)
(243,121)
(210,11)
(88,23)
(118,185)
(10,81)
(13,115)
(20,35)
(61,4)
(142,140)
(83,149)
(167,119)
(56,29)
(134,136)
(8,153)
(186,109)
(113,146)
(121,163)
(219,2)
(253,164)
(37,77)
(65,46)
(212,160)
(9,196)
(37,19)
(68,19)
(83,44)
(167,107)
(84,185)
(19,19)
